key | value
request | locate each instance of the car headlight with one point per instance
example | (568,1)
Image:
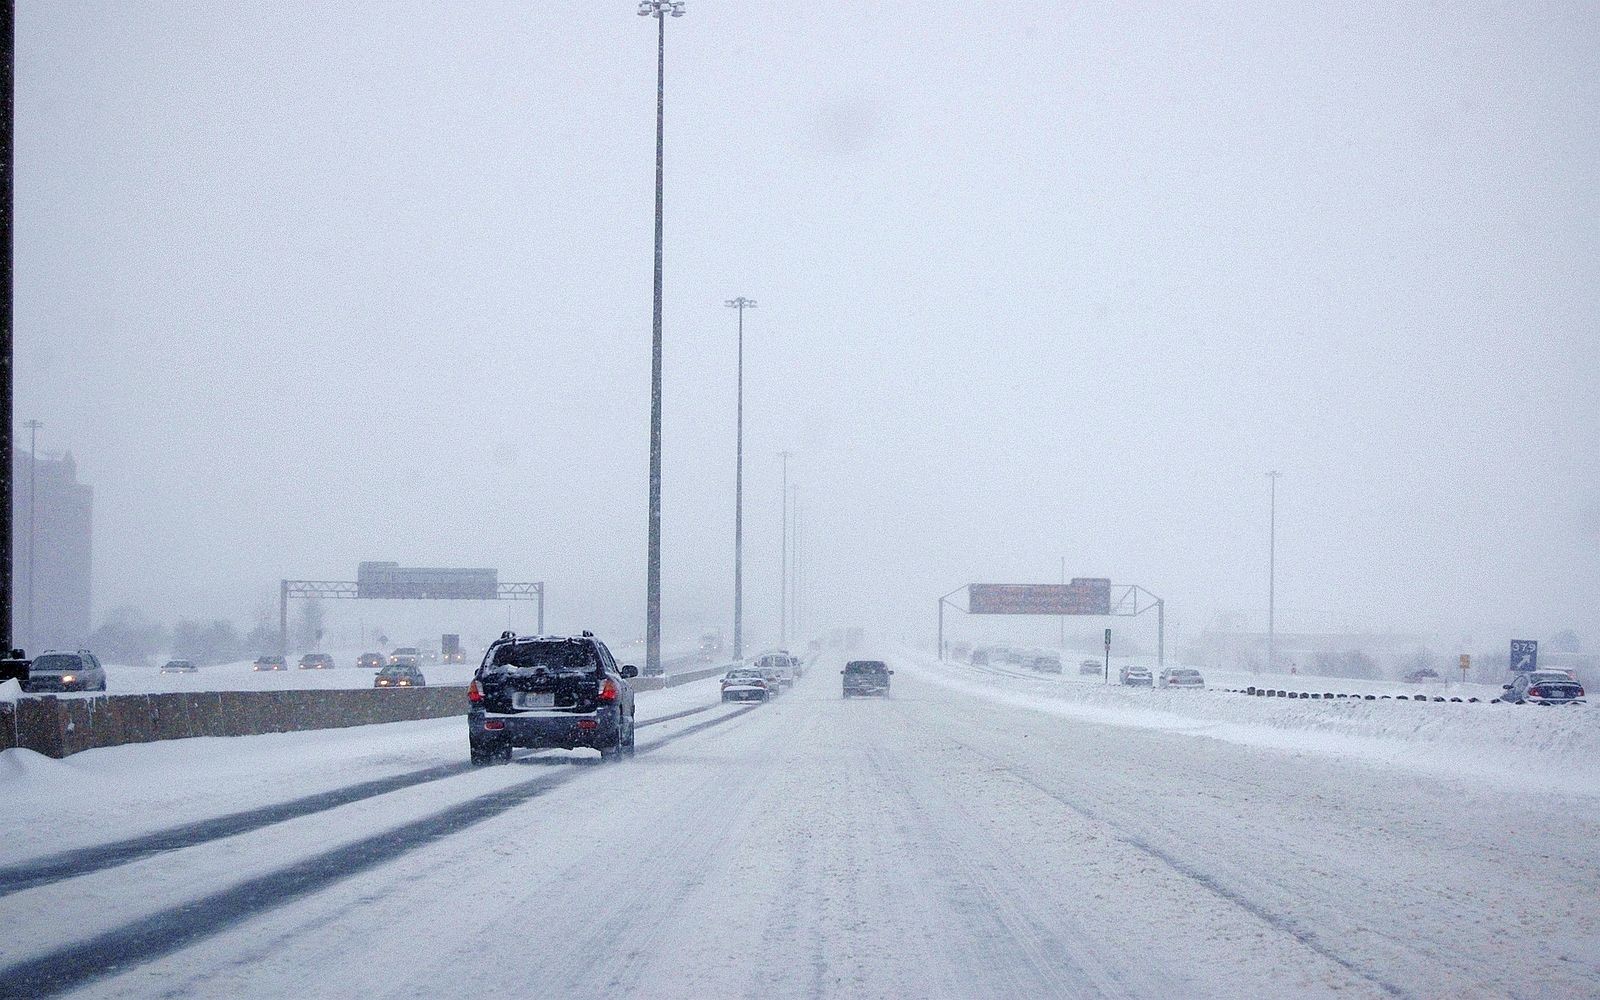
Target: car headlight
(67,678)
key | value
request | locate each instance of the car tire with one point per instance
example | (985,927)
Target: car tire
(480,757)
(629,748)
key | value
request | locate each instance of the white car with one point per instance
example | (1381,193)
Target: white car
(1139,677)
(745,684)
(1180,677)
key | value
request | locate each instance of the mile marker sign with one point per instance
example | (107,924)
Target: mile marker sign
(1524,655)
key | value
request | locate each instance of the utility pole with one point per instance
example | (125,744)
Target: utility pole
(741,303)
(659,9)
(1272,576)
(8,20)
(783,581)
(31,635)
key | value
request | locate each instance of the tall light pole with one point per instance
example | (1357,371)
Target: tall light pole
(33,500)
(741,303)
(8,18)
(659,9)
(783,579)
(1272,576)
(796,576)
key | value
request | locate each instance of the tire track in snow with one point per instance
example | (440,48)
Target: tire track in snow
(1277,921)
(88,860)
(159,934)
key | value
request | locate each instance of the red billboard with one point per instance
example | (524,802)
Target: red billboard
(1080,597)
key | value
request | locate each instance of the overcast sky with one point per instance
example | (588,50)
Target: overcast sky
(305,283)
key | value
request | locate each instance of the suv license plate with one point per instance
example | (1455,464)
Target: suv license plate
(525,699)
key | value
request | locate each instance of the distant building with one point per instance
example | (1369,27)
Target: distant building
(62,553)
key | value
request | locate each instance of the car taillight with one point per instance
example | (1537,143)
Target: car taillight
(608,690)
(474,692)
(495,724)
(1536,692)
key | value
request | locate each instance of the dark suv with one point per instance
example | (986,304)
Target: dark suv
(54,671)
(866,677)
(543,692)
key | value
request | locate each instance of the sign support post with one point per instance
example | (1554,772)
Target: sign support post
(1466,664)
(1108,656)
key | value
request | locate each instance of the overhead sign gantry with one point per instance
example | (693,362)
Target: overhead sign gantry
(389,581)
(1083,596)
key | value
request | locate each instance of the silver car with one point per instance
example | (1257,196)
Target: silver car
(1138,677)
(55,671)
(1180,677)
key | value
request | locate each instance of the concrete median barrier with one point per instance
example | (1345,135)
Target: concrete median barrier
(59,727)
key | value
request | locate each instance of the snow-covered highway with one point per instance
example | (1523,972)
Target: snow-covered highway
(951,841)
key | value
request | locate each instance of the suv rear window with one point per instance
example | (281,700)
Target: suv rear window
(865,667)
(555,657)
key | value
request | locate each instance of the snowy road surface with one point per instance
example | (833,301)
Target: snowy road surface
(936,844)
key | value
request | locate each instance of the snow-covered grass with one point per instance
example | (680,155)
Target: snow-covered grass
(1517,746)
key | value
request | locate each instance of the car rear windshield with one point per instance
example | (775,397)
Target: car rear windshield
(555,657)
(865,667)
(57,661)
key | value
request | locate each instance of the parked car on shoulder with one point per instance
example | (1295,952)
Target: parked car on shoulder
(269,663)
(745,684)
(866,677)
(1088,668)
(1045,663)
(61,671)
(1423,676)
(399,675)
(1541,687)
(544,692)
(179,667)
(1180,677)
(316,661)
(979,657)
(1132,676)
(371,661)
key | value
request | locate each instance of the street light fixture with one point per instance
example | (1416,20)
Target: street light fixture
(659,9)
(741,303)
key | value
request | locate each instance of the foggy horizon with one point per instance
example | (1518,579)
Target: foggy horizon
(300,287)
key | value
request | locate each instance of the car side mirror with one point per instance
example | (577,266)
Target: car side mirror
(630,671)
(891,671)
(841,671)
(1505,687)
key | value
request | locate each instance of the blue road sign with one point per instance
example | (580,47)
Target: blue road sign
(1524,655)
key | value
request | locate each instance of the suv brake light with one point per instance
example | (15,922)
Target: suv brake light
(608,690)
(474,692)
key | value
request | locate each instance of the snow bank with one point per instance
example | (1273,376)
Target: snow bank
(1556,749)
